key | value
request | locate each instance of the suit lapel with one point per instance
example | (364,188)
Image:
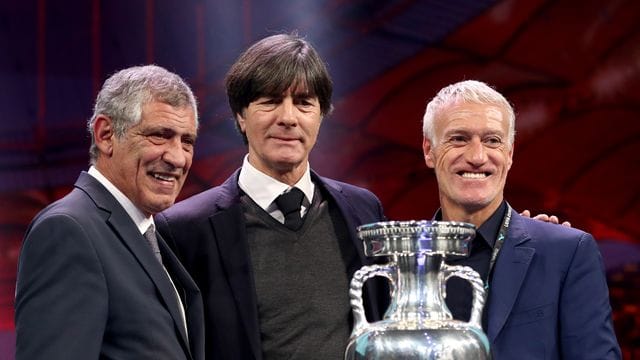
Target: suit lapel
(349,214)
(141,250)
(511,269)
(352,220)
(191,300)
(229,231)
(126,230)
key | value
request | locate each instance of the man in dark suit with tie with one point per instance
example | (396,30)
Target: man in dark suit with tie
(548,295)
(274,247)
(94,280)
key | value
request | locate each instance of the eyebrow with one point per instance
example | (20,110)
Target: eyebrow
(466,131)
(295,96)
(303,96)
(164,130)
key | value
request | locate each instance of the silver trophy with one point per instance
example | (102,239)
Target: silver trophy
(417,324)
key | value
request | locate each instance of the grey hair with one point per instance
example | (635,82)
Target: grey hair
(124,93)
(468,91)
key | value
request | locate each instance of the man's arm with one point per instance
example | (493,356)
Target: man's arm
(586,329)
(61,298)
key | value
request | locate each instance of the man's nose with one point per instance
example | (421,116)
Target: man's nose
(175,154)
(288,112)
(476,153)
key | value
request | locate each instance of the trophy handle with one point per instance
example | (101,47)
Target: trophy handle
(467,273)
(355,292)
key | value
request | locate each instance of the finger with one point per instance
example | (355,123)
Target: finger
(554,219)
(566,223)
(526,213)
(542,217)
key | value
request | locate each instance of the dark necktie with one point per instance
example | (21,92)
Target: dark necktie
(150,235)
(289,203)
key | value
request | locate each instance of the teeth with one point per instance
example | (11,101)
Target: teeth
(470,175)
(162,177)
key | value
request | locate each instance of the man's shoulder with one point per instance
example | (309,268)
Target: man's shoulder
(206,203)
(356,202)
(67,221)
(559,245)
(346,188)
(75,204)
(546,233)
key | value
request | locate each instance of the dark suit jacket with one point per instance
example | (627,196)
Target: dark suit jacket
(90,287)
(549,297)
(209,235)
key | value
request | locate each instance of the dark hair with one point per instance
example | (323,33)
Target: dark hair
(271,66)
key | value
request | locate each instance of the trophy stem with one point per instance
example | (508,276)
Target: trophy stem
(419,288)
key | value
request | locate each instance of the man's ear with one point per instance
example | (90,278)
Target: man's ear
(510,161)
(103,134)
(241,123)
(427,150)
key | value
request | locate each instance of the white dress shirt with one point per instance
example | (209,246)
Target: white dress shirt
(263,189)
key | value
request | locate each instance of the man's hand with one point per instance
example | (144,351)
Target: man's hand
(546,218)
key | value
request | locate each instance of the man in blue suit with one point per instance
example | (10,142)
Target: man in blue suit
(90,284)
(547,291)
(275,279)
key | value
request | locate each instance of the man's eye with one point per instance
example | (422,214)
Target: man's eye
(305,106)
(493,141)
(157,136)
(188,141)
(267,101)
(458,139)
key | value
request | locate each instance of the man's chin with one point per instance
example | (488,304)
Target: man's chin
(288,164)
(159,206)
(475,204)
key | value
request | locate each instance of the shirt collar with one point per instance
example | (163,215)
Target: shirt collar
(490,228)
(263,189)
(142,222)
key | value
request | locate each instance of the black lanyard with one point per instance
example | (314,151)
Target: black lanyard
(502,234)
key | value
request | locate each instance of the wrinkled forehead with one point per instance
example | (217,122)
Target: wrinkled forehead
(467,107)
(471,115)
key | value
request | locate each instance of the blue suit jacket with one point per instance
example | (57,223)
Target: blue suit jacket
(90,287)
(208,234)
(549,297)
